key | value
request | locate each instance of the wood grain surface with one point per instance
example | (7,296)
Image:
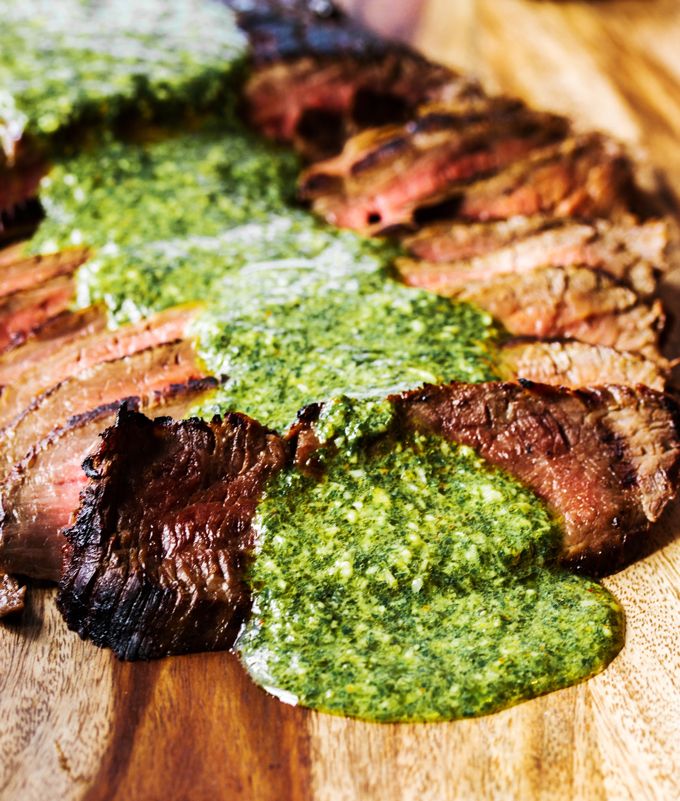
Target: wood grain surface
(77,725)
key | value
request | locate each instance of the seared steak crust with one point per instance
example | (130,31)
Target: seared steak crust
(604,458)
(163,534)
(41,493)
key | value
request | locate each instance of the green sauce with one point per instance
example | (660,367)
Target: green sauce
(414,583)
(295,312)
(411,582)
(84,61)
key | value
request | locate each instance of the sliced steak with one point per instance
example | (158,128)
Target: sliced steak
(12,595)
(86,352)
(141,374)
(316,104)
(554,302)
(384,175)
(42,492)
(24,311)
(577,364)
(451,241)
(586,176)
(163,534)
(636,330)
(633,254)
(48,339)
(29,272)
(605,459)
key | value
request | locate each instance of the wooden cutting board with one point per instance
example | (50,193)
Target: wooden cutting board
(76,724)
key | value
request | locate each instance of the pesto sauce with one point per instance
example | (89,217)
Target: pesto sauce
(412,582)
(76,61)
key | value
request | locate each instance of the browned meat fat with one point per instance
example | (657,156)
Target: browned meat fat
(41,494)
(384,175)
(163,534)
(12,596)
(633,254)
(83,353)
(604,458)
(577,364)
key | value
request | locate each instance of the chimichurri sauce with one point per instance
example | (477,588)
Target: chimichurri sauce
(295,311)
(414,583)
(411,582)
(89,61)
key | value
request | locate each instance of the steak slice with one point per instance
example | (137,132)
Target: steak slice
(317,103)
(12,595)
(585,176)
(24,311)
(48,339)
(19,272)
(163,534)
(604,458)
(384,175)
(556,302)
(42,493)
(577,364)
(86,352)
(140,374)
(633,254)
(636,330)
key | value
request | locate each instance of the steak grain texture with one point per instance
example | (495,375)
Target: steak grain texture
(605,459)
(385,175)
(449,256)
(12,595)
(163,534)
(578,364)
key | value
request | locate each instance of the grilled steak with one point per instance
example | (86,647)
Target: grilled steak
(163,534)
(24,311)
(82,353)
(605,459)
(577,364)
(141,374)
(42,492)
(636,330)
(19,272)
(586,176)
(633,254)
(384,175)
(316,104)
(48,339)
(556,302)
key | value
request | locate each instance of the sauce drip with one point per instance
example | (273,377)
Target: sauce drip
(412,582)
